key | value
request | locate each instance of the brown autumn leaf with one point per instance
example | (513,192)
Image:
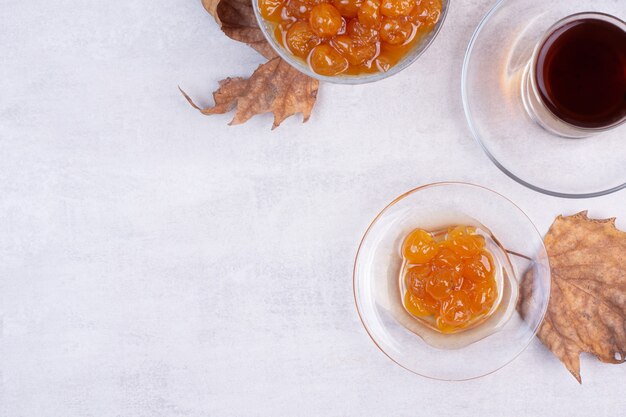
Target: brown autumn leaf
(236,18)
(274,87)
(587,309)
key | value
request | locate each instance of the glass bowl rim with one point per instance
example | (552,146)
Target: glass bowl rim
(351,79)
(483,146)
(365,235)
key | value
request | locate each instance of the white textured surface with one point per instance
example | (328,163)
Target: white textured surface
(155,262)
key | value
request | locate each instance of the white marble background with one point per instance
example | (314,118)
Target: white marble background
(155,262)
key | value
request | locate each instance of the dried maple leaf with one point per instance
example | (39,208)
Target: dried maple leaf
(274,87)
(237,20)
(587,309)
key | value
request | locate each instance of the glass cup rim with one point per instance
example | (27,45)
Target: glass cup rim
(365,235)
(301,66)
(535,56)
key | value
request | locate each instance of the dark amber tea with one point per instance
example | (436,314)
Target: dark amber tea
(581,73)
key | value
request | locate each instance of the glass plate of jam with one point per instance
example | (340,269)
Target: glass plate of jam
(544,92)
(451,281)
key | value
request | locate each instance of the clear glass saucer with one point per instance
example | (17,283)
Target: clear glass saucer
(495,66)
(474,352)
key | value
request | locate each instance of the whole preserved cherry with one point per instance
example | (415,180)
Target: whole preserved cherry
(325,60)
(395,31)
(325,20)
(419,247)
(301,39)
(369,13)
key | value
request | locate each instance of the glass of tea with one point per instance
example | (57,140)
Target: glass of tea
(544,93)
(575,84)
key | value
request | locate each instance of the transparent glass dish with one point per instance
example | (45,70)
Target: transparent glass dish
(301,65)
(494,80)
(464,355)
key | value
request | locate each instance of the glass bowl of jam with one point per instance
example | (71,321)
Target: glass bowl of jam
(350,41)
(451,281)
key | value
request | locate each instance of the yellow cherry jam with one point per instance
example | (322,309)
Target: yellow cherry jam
(350,36)
(448,277)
